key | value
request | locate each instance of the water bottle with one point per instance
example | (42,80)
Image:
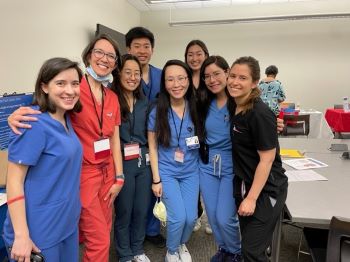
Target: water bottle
(346,104)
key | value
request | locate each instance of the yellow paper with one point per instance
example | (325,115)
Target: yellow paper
(294,153)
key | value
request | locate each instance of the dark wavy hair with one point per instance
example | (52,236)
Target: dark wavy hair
(163,132)
(48,71)
(254,68)
(119,90)
(204,95)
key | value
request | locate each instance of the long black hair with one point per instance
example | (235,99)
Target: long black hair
(163,132)
(119,90)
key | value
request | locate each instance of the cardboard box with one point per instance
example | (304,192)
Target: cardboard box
(3,168)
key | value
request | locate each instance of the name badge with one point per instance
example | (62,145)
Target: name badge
(192,142)
(179,156)
(102,148)
(131,151)
(147,160)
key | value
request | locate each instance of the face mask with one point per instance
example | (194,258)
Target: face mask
(159,211)
(104,80)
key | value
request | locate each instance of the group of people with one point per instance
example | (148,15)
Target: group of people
(133,133)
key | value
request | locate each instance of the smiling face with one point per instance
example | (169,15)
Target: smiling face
(130,76)
(142,49)
(176,82)
(240,83)
(195,57)
(102,66)
(63,90)
(215,79)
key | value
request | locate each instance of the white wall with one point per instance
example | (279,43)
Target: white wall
(313,56)
(33,31)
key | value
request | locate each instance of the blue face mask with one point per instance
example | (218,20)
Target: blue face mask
(106,81)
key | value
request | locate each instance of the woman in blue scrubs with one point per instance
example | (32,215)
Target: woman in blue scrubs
(216,168)
(44,171)
(173,147)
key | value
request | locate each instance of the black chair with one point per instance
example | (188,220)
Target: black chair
(338,106)
(331,245)
(295,125)
(338,248)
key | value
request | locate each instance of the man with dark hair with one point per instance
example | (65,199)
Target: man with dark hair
(140,43)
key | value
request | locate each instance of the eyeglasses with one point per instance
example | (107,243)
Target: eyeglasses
(129,74)
(180,79)
(215,75)
(98,53)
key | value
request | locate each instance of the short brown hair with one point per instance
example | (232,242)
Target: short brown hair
(48,71)
(88,49)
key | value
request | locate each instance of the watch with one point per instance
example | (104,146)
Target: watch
(120,176)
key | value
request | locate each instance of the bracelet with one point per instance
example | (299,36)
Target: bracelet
(121,176)
(156,183)
(12,200)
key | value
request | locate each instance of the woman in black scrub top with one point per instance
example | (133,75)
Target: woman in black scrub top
(260,183)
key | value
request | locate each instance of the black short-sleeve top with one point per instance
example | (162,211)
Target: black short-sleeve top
(257,130)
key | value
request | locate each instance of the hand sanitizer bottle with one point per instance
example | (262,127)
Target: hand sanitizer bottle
(346,104)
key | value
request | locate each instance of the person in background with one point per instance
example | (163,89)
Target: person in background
(272,92)
(173,147)
(260,181)
(131,205)
(44,171)
(195,54)
(140,43)
(97,127)
(216,168)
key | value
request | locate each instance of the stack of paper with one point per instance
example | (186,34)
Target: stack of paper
(305,163)
(304,175)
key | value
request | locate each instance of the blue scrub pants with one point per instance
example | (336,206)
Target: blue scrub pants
(66,250)
(217,193)
(180,196)
(153,224)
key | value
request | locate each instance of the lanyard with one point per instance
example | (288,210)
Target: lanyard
(99,119)
(183,116)
(132,125)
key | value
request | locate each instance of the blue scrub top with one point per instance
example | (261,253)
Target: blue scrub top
(166,163)
(151,90)
(218,138)
(51,186)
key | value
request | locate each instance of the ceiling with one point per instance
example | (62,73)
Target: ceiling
(150,5)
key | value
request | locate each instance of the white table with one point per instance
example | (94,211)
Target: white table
(319,127)
(314,203)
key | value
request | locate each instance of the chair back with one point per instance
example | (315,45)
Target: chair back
(338,106)
(295,125)
(338,249)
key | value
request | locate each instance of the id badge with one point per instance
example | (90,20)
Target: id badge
(131,151)
(147,159)
(192,142)
(179,156)
(102,148)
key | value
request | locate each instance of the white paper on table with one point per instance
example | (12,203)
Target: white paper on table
(304,163)
(304,175)
(3,198)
